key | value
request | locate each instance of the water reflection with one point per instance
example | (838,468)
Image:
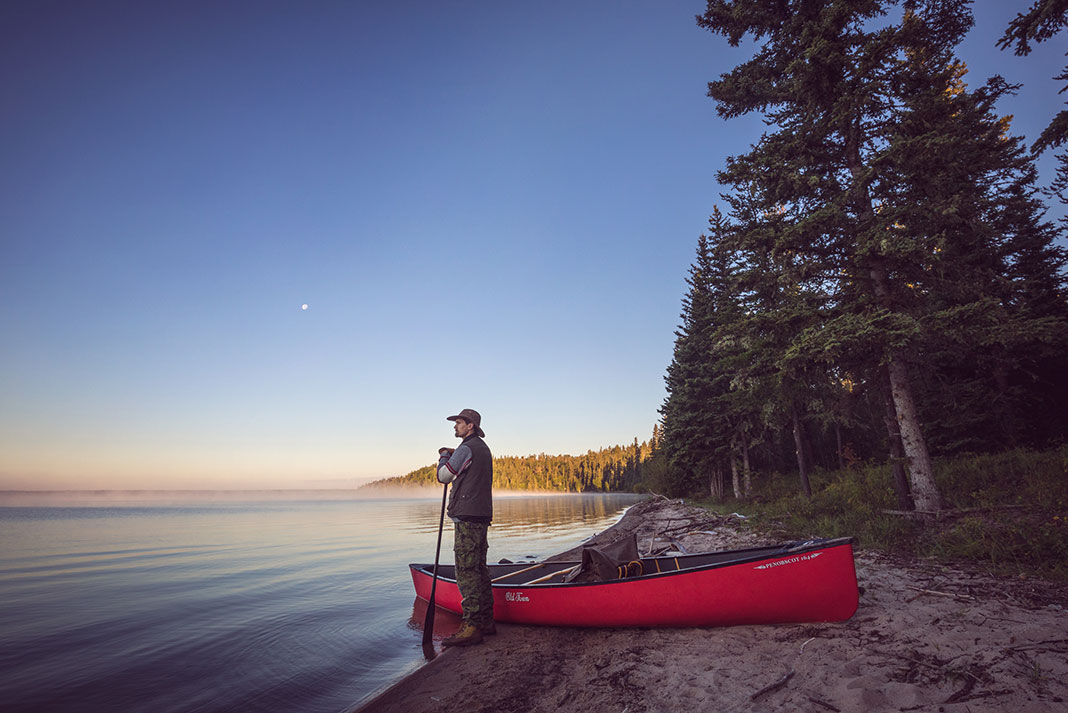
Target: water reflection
(446,623)
(260,606)
(556,511)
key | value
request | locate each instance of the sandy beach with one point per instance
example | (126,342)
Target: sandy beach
(926,637)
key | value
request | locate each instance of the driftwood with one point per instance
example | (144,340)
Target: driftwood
(1038,645)
(950,513)
(918,514)
(692,525)
(773,687)
(669,534)
(679,546)
(958,597)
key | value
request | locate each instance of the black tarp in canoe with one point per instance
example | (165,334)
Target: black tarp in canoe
(614,560)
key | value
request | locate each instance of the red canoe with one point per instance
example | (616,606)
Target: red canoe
(789,583)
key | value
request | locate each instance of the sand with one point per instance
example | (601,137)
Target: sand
(926,637)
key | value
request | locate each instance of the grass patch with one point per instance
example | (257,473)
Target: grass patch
(1007,512)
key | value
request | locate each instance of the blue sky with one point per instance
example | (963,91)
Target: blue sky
(485,205)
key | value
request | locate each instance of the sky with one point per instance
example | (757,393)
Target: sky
(488,205)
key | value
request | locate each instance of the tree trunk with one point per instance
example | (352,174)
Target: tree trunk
(746,470)
(921,471)
(838,442)
(897,452)
(736,482)
(925,493)
(715,486)
(799,446)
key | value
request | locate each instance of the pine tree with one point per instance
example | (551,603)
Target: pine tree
(888,225)
(688,437)
(1043,21)
(709,416)
(985,279)
(824,76)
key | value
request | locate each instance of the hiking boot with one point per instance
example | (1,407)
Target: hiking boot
(488,629)
(466,636)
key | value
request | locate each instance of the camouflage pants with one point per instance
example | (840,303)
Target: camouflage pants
(472,574)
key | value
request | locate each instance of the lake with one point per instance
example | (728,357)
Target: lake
(222,605)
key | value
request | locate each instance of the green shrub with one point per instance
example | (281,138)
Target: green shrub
(1016,505)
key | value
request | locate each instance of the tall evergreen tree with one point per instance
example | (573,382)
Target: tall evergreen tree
(823,76)
(1044,20)
(893,208)
(782,294)
(960,189)
(692,436)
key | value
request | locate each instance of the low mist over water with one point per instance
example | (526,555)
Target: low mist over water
(121,498)
(214,602)
(89,498)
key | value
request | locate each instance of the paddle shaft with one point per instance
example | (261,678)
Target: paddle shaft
(513,574)
(428,623)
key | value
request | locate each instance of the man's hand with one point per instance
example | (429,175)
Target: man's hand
(444,474)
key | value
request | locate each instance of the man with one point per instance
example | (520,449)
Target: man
(470,470)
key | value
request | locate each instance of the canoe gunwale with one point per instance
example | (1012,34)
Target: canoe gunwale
(756,554)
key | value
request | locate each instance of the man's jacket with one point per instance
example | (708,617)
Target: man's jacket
(472,487)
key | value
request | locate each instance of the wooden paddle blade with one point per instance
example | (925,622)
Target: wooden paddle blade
(428,643)
(428,630)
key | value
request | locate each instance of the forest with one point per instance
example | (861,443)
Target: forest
(880,284)
(614,469)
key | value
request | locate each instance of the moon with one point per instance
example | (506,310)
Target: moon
(304,306)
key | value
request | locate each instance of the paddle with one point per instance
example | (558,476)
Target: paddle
(428,624)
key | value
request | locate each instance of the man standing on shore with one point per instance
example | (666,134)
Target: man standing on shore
(470,470)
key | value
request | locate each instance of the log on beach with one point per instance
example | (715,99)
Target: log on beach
(990,647)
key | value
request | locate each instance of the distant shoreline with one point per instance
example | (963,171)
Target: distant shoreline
(120,497)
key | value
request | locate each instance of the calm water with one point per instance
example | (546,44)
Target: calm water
(268,606)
